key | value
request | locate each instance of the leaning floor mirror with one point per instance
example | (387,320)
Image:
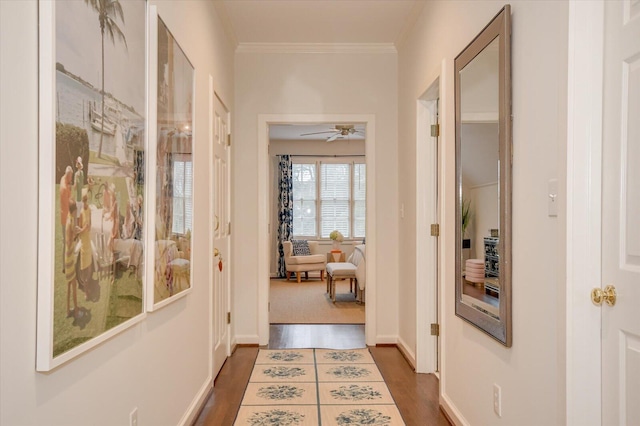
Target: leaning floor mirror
(483,180)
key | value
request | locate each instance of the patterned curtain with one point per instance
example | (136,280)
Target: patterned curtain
(285,209)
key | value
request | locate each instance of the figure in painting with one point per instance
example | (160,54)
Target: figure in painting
(86,256)
(70,234)
(78,184)
(65,198)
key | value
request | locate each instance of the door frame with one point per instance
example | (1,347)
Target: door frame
(427,248)
(264,120)
(213,94)
(584,205)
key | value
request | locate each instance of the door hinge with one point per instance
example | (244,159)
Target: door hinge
(229,139)
(228,317)
(435,130)
(435,329)
(269,307)
(435,229)
(229,228)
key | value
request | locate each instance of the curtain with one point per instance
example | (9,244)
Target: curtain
(285,209)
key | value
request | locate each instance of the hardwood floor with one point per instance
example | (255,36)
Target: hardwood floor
(332,336)
(416,395)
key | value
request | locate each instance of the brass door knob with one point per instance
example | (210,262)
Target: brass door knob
(608,295)
(216,252)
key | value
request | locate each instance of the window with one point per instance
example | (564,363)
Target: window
(182,196)
(328,196)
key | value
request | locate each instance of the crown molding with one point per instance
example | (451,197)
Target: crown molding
(316,48)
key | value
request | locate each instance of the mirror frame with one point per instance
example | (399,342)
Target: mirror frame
(500,26)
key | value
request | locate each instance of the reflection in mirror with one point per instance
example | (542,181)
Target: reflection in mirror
(479,180)
(174,177)
(483,180)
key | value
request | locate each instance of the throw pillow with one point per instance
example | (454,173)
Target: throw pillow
(301,248)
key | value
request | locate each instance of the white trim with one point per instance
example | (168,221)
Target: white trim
(409,355)
(192,412)
(210,262)
(247,339)
(426,214)
(297,48)
(452,412)
(584,179)
(264,120)
(386,339)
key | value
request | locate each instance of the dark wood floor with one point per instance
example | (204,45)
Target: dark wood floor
(331,336)
(480,294)
(416,395)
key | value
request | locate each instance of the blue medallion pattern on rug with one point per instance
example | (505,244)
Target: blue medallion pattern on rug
(276,417)
(280,392)
(348,356)
(349,372)
(363,417)
(285,356)
(282,372)
(356,393)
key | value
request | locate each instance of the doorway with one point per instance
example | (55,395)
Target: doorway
(427,244)
(264,237)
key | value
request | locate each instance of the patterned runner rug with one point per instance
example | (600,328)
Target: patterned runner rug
(299,387)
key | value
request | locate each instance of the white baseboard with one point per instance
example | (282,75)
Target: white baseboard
(192,412)
(408,353)
(452,412)
(386,340)
(249,339)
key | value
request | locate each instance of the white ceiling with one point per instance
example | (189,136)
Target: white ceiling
(318,21)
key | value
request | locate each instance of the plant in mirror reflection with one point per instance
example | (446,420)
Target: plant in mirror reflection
(466,215)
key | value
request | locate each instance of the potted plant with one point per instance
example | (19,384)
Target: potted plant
(337,238)
(466,219)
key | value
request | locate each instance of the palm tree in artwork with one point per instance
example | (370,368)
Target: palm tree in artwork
(108,12)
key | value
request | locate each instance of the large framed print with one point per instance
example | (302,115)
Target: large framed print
(171,157)
(92,178)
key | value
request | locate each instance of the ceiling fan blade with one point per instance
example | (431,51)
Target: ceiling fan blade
(334,137)
(317,133)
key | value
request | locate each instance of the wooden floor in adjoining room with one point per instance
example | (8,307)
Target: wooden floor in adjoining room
(416,395)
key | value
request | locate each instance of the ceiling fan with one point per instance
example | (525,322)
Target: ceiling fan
(339,131)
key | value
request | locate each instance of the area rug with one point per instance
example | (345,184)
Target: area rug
(299,387)
(309,303)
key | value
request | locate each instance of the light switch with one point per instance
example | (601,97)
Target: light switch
(552,199)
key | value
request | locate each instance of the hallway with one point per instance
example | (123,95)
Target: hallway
(416,395)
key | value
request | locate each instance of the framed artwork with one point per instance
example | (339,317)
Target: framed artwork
(171,156)
(92,178)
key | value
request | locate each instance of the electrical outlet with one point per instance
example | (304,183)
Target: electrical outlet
(133,417)
(497,400)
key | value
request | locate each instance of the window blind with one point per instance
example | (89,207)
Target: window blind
(304,199)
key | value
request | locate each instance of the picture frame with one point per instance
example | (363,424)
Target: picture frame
(171,153)
(92,170)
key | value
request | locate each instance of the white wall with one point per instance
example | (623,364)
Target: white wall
(159,365)
(306,83)
(530,372)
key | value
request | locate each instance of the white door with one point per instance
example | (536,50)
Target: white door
(220,228)
(621,214)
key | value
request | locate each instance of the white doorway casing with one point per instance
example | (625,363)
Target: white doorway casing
(264,120)
(427,255)
(584,206)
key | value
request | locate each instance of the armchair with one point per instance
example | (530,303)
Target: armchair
(298,264)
